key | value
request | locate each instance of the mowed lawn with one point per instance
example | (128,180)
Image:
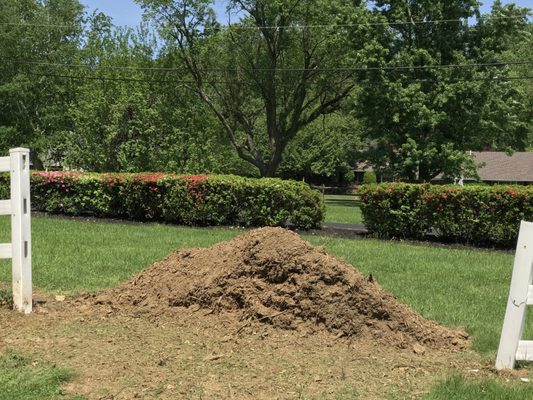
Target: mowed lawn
(71,256)
(343,209)
(456,287)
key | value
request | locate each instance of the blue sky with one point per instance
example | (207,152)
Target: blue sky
(127,12)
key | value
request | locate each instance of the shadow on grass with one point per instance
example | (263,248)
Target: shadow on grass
(342,202)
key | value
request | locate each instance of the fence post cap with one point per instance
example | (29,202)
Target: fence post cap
(19,150)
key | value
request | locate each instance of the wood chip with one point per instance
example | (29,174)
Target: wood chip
(213,357)
(419,349)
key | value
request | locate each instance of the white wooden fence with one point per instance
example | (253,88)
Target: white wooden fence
(512,348)
(18,206)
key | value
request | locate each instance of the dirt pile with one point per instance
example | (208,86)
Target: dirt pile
(272,276)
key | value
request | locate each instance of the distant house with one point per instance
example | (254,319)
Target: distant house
(499,167)
(494,167)
(359,171)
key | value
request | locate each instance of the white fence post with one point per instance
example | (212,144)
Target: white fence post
(511,347)
(21,229)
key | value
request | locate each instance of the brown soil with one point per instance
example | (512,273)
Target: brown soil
(271,276)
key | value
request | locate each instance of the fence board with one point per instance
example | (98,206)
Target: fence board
(5,207)
(5,250)
(525,350)
(5,164)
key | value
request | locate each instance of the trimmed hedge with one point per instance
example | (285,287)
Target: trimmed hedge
(470,214)
(189,200)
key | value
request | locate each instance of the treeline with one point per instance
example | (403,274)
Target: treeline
(294,89)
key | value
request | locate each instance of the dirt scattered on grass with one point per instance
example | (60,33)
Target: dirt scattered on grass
(264,316)
(272,276)
(195,355)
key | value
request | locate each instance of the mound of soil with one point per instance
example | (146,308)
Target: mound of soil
(272,276)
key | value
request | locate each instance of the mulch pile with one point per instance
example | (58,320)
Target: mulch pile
(272,276)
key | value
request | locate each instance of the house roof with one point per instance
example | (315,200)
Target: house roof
(499,166)
(362,167)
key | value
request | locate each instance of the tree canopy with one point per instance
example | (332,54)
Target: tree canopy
(444,87)
(269,76)
(292,88)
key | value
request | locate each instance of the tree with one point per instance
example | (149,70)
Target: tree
(116,110)
(33,99)
(435,114)
(515,45)
(126,117)
(324,151)
(271,74)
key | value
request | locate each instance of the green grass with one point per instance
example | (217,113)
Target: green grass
(24,379)
(458,387)
(343,209)
(76,256)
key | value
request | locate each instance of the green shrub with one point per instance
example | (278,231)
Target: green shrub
(470,214)
(369,177)
(190,200)
(4,186)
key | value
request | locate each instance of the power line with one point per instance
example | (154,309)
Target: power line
(332,69)
(491,79)
(419,22)
(122,79)
(319,26)
(242,82)
(28,24)
(109,67)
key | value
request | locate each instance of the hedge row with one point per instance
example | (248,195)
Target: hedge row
(191,200)
(471,214)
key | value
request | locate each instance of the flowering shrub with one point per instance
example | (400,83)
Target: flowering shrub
(470,214)
(190,200)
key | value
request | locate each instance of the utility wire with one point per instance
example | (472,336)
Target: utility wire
(29,24)
(238,26)
(398,23)
(104,78)
(333,69)
(236,82)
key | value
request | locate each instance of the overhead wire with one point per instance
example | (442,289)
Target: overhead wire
(236,82)
(28,24)
(331,69)
(390,23)
(317,26)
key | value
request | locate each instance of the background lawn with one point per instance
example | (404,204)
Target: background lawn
(456,287)
(343,209)
(71,256)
